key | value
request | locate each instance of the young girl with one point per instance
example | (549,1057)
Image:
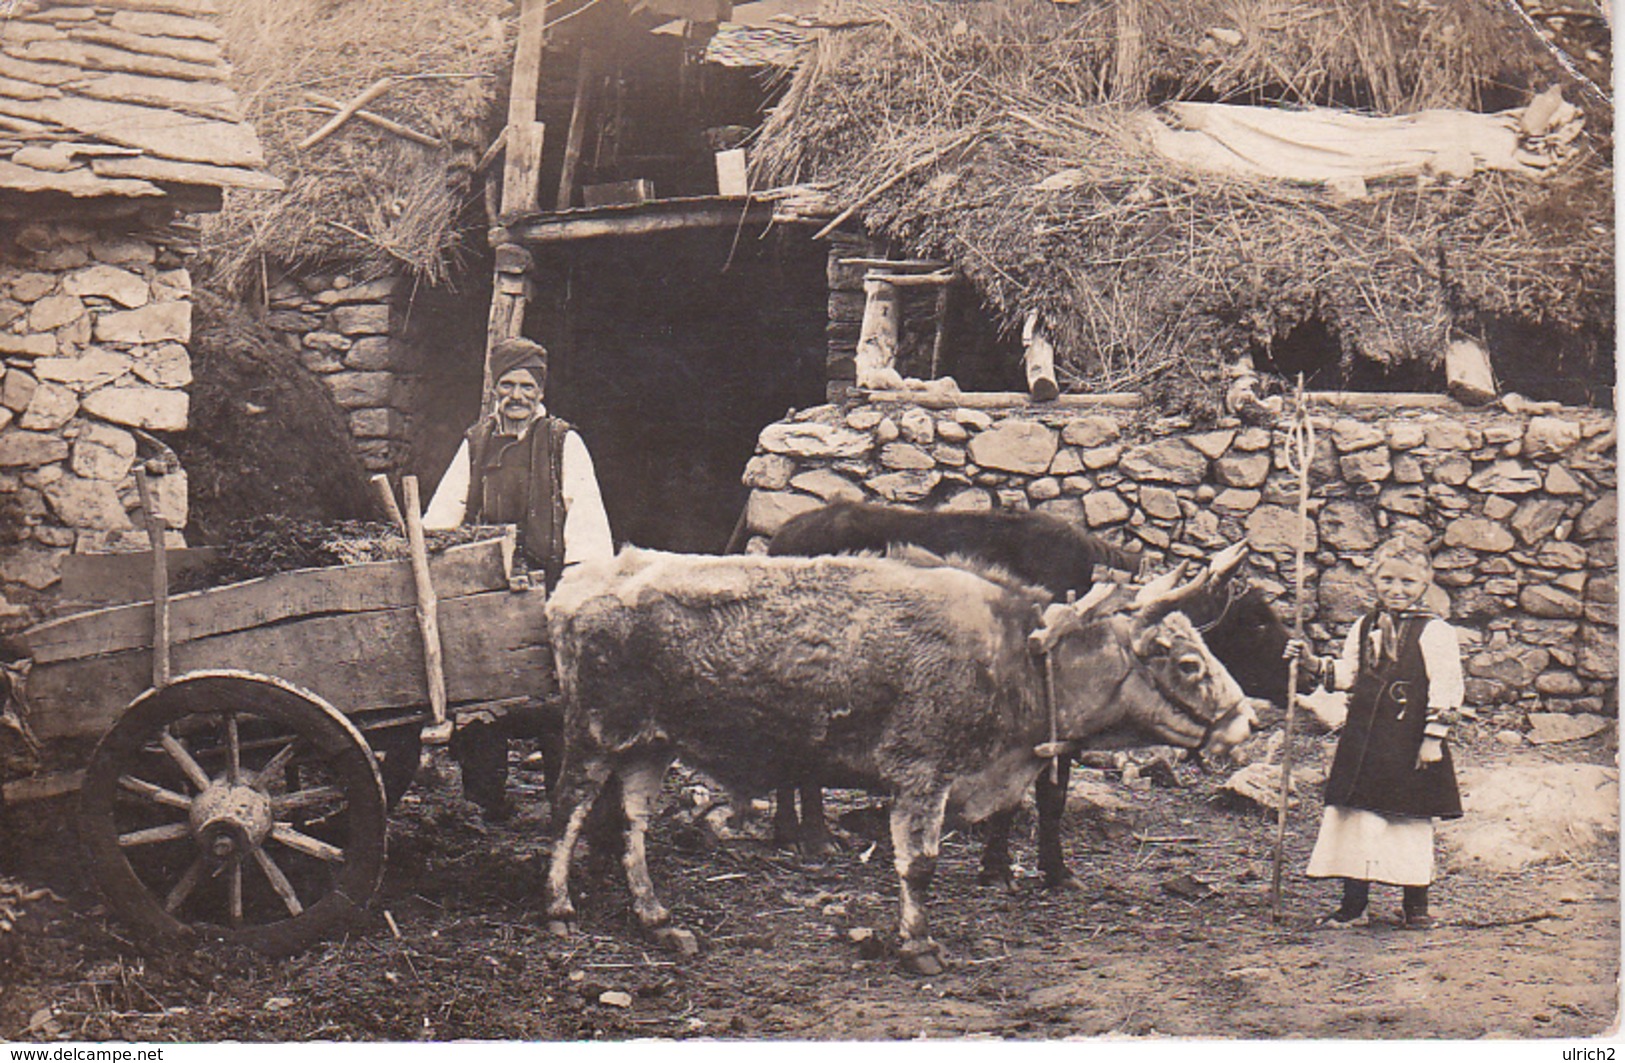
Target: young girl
(1392,773)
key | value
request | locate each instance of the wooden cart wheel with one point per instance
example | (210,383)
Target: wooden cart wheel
(238,807)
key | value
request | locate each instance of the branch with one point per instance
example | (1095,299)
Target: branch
(386,124)
(348,110)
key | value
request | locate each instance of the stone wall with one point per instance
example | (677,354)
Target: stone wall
(1520,510)
(345,333)
(93,331)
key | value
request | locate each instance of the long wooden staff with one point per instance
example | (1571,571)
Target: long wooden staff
(1300,457)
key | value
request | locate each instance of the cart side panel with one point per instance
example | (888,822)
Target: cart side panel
(495,646)
(374,585)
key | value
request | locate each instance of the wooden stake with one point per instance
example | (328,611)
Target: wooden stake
(1300,455)
(386,495)
(428,615)
(386,124)
(160,582)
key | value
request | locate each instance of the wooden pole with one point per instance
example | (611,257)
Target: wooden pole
(1300,454)
(577,133)
(347,111)
(428,615)
(386,497)
(940,330)
(160,582)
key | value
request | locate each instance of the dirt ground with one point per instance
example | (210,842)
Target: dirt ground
(1171,935)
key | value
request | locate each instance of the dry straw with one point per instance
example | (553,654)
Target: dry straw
(1148,273)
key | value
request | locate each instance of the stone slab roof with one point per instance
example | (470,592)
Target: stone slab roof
(124,98)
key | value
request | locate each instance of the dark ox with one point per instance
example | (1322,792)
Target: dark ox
(1235,620)
(922,681)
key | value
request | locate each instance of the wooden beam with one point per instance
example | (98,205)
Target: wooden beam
(660,218)
(996,400)
(877,337)
(522,170)
(911,280)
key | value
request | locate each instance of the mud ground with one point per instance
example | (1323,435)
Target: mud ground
(1171,935)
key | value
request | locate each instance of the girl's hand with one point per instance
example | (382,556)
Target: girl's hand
(1295,648)
(1432,752)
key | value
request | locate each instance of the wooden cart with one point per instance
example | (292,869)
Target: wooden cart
(245,798)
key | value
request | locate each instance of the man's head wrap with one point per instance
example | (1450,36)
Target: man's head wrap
(519,353)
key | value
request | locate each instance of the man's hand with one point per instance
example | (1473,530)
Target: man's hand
(1432,752)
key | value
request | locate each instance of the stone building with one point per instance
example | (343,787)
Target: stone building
(117,124)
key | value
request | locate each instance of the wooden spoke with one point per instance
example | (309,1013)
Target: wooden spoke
(154,793)
(302,799)
(234,750)
(178,753)
(169,832)
(279,882)
(274,765)
(234,886)
(304,843)
(183,888)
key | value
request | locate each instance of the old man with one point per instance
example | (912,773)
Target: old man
(523,467)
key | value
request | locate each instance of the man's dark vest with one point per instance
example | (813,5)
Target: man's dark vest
(520,480)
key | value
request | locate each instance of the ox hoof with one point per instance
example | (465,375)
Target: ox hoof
(682,942)
(923,958)
(1065,882)
(998,879)
(561,927)
(818,849)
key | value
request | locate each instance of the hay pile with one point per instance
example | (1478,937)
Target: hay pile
(1150,275)
(372,199)
(265,435)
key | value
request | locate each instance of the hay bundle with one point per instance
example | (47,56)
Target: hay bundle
(373,199)
(1020,123)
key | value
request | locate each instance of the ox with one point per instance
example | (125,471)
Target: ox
(918,681)
(1235,620)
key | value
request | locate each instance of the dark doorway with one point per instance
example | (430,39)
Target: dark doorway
(670,354)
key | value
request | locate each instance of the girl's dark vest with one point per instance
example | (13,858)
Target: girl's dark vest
(520,480)
(1374,767)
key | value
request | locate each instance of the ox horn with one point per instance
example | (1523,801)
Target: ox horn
(1059,620)
(1225,561)
(1160,588)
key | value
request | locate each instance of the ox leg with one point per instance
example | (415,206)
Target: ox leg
(786,828)
(578,791)
(1050,797)
(996,851)
(916,832)
(640,789)
(816,841)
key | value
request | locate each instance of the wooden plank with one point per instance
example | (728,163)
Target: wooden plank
(993,400)
(375,585)
(618,193)
(578,131)
(495,647)
(116,579)
(732,173)
(665,218)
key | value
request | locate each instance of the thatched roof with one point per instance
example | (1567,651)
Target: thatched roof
(369,198)
(1145,270)
(127,99)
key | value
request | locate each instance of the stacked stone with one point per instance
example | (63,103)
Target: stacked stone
(342,333)
(1519,510)
(846,300)
(93,328)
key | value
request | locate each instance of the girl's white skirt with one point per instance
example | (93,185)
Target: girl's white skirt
(1354,843)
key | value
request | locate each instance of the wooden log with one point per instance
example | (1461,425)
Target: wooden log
(904,265)
(939,331)
(721,213)
(1038,360)
(494,645)
(877,339)
(912,280)
(160,582)
(1382,400)
(577,133)
(427,608)
(461,571)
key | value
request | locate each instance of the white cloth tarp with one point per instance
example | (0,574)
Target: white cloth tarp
(1320,145)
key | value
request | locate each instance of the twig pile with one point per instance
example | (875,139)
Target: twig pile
(1148,274)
